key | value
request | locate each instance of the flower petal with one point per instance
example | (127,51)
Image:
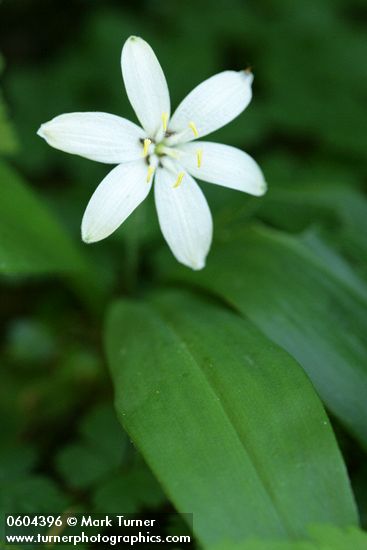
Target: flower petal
(211,105)
(145,84)
(119,193)
(184,217)
(96,136)
(223,165)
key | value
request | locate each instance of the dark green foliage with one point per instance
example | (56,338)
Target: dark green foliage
(291,266)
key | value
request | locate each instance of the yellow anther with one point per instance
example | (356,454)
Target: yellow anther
(194,129)
(199,156)
(179,180)
(146,146)
(150,173)
(165,121)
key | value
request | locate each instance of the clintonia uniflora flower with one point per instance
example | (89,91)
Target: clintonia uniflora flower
(165,150)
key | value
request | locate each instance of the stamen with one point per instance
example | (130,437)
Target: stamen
(165,121)
(199,156)
(193,128)
(150,173)
(179,180)
(147,143)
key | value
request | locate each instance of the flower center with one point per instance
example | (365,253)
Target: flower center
(155,150)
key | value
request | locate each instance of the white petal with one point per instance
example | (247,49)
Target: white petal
(96,136)
(145,84)
(184,217)
(121,191)
(212,104)
(223,165)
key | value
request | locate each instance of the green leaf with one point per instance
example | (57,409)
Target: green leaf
(300,303)
(323,537)
(32,494)
(340,210)
(8,142)
(318,241)
(21,490)
(16,462)
(82,466)
(31,240)
(129,491)
(293,208)
(338,539)
(228,422)
(98,454)
(101,429)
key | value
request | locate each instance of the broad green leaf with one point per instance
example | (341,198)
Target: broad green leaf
(300,303)
(293,208)
(338,539)
(31,240)
(321,245)
(340,210)
(228,422)
(322,537)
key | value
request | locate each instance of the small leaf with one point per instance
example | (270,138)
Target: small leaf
(98,454)
(82,466)
(102,430)
(16,462)
(32,494)
(129,491)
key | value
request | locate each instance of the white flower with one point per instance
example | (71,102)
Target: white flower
(164,150)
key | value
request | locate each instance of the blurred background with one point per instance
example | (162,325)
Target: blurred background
(61,445)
